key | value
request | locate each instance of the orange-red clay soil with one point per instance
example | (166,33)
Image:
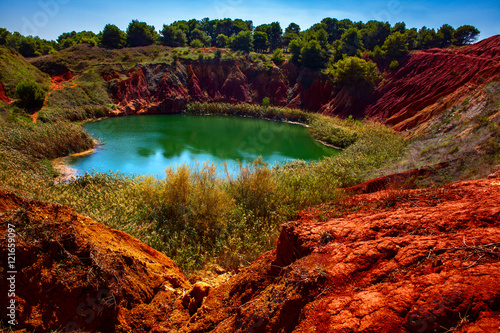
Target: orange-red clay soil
(390,261)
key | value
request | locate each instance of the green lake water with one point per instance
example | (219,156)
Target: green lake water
(147,145)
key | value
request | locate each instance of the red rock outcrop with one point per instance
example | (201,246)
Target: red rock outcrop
(73,273)
(392,261)
(58,80)
(389,261)
(3,96)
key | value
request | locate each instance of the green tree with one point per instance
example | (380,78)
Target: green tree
(445,34)
(266,102)
(4,33)
(293,28)
(27,47)
(312,55)
(140,34)
(350,43)
(354,71)
(395,45)
(427,38)
(464,35)
(291,33)
(172,36)
(260,41)
(221,40)
(275,33)
(400,27)
(411,36)
(375,33)
(242,41)
(295,48)
(201,36)
(30,94)
(112,37)
(333,28)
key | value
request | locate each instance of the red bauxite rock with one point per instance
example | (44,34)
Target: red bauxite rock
(390,261)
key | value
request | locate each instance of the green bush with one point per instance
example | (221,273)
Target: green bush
(278,58)
(394,64)
(30,94)
(196,43)
(354,70)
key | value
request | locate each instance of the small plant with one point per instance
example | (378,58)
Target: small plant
(394,65)
(266,102)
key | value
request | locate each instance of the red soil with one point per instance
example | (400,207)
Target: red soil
(389,261)
(58,80)
(3,96)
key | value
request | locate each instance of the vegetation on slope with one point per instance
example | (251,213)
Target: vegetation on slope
(192,216)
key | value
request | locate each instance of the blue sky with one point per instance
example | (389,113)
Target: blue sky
(50,18)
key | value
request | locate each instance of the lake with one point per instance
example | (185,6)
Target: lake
(150,144)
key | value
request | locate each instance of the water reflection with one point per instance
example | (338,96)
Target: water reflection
(150,144)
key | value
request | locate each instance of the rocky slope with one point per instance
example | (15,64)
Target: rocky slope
(389,261)
(423,79)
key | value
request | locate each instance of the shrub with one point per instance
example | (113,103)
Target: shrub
(354,70)
(278,57)
(394,64)
(218,54)
(30,94)
(266,102)
(196,43)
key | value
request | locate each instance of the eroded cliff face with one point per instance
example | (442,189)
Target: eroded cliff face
(389,261)
(423,80)
(165,88)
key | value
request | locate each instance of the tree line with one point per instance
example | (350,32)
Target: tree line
(311,47)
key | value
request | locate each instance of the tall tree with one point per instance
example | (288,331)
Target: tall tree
(427,38)
(295,47)
(400,26)
(464,35)
(350,43)
(260,41)
(201,36)
(112,37)
(4,33)
(375,33)
(312,55)
(445,35)
(172,36)
(395,45)
(221,40)
(140,34)
(333,28)
(275,33)
(242,41)
(291,33)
